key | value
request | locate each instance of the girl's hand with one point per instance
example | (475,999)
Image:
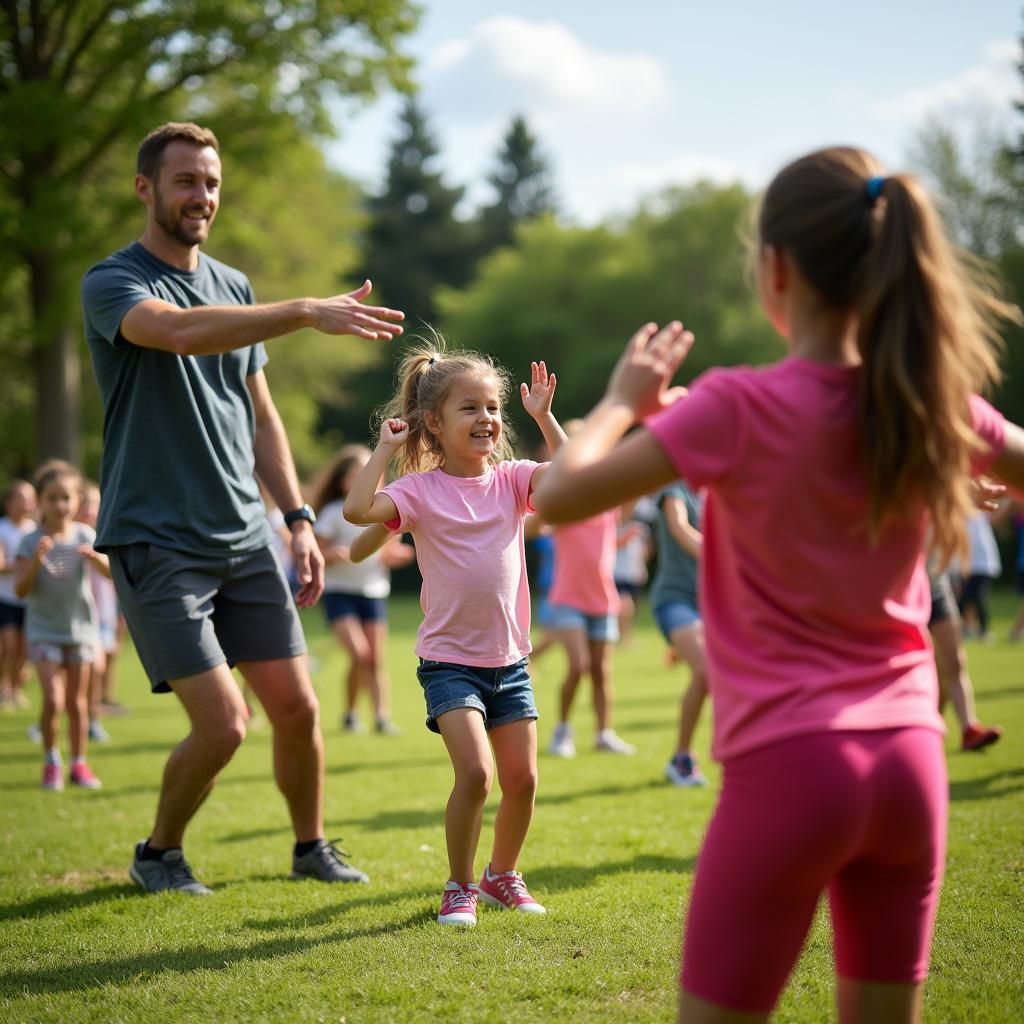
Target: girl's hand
(340,553)
(43,548)
(394,433)
(641,377)
(985,493)
(537,398)
(89,552)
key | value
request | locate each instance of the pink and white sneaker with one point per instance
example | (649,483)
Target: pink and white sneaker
(458,904)
(82,775)
(508,891)
(53,776)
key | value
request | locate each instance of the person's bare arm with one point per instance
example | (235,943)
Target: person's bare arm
(679,526)
(364,504)
(206,330)
(275,468)
(1009,463)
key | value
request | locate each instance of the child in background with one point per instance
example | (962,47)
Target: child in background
(356,595)
(823,474)
(19,509)
(464,502)
(951,660)
(60,617)
(630,572)
(108,622)
(674,599)
(584,610)
(982,568)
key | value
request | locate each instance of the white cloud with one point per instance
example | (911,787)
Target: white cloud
(993,84)
(556,66)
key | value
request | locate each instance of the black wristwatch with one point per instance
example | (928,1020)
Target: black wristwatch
(300,513)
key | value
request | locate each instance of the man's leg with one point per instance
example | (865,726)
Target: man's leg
(217,716)
(288,698)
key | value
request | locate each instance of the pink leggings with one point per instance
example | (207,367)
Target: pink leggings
(862,814)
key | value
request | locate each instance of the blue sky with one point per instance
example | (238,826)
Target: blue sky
(630,97)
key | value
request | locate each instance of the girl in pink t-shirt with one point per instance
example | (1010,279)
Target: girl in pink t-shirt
(464,501)
(823,473)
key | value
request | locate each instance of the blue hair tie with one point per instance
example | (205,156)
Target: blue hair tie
(874,189)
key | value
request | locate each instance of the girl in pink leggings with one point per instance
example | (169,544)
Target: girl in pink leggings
(823,473)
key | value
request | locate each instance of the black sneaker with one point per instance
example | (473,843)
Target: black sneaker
(324,862)
(170,872)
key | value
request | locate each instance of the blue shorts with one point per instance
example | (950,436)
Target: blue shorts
(12,615)
(355,606)
(501,695)
(596,627)
(674,615)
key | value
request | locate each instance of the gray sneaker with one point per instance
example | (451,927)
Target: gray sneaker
(324,862)
(170,872)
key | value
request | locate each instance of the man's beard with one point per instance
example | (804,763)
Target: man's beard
(174,227)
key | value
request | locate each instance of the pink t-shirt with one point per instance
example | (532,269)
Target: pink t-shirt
(469,544)
(585,565)
(808,626)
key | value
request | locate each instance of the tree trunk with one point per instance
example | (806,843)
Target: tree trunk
(57,363)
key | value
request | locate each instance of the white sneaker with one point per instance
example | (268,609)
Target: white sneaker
(611,742)
(97,733)
(562,743)
(682,770)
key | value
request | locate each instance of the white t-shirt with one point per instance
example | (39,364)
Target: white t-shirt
(370,578)
(984,560)
(10,538)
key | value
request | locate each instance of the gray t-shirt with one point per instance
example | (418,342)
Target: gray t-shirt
(178,431)
(676,576)
(60,608)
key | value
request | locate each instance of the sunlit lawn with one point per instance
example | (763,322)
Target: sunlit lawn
(611,854)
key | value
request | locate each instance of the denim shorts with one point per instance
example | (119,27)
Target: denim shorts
(338,605)
(501,695)
(62,654)
(596,627)
(674,615)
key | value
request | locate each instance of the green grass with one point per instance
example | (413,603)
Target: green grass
(611,854)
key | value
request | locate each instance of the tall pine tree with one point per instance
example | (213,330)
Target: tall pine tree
(522,181)
(414,241)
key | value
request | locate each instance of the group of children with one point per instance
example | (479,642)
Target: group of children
(843,461)
(58,611)
(814,487)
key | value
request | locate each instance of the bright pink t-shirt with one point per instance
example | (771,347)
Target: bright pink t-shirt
(809,627)
(469,545)
(585,565)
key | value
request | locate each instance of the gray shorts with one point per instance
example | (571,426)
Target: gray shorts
(189,613)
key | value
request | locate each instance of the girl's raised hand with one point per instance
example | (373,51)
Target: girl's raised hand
(641,377)
(538,396)
(394,432)
(43,548)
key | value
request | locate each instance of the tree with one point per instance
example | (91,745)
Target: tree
(79,77)
(522,182)
(414,241)
(572,296)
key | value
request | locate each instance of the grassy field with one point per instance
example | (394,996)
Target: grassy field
(611,854)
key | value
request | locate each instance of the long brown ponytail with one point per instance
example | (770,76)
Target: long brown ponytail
(926,325)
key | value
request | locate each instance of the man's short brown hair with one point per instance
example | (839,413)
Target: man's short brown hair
(151,152)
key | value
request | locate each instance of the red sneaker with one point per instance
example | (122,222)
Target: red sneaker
(81,775)
(508,891)
(976,736)
(53,776)
(458,904)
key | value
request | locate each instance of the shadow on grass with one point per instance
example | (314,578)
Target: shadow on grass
(988,787)
(324,915)
(1003,692)
(134,969)
(65,901)
(563,877)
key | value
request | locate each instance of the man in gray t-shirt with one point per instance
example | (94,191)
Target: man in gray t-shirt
(189,425)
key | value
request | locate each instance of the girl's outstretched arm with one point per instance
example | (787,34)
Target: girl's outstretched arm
(537,399)
(373,538)
(363,504)
(1009,463)
(592,472)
